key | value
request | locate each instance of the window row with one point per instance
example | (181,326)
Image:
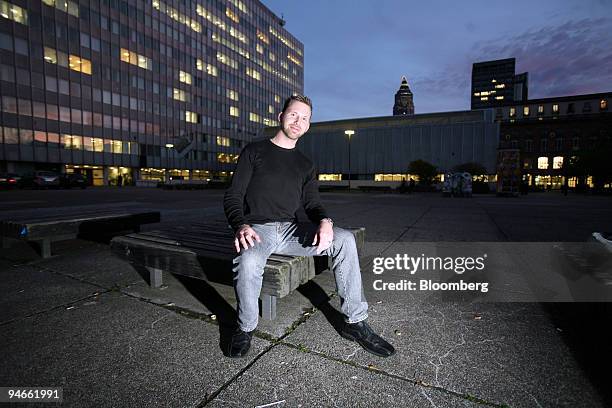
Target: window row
(28,137)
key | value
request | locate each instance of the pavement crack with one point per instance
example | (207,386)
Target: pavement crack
(51,309)
(375,370)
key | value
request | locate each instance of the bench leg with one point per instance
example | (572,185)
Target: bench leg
(5,243)
(268,307)
(45,247)
(155,276)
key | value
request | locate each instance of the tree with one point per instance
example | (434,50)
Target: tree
(593,162)
(424,170)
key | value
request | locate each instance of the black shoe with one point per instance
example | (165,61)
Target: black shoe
(363,334)
(239,344)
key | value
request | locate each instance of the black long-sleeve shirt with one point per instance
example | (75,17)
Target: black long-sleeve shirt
(270,184)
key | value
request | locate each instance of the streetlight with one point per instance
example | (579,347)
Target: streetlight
(349,133)
(168,164)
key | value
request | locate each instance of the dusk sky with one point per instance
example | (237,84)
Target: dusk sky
(357,51)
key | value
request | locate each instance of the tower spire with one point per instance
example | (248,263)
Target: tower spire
(404,104)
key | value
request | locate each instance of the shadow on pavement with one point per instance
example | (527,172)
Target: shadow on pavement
(586,331)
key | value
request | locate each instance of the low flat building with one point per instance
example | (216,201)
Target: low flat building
(381,148)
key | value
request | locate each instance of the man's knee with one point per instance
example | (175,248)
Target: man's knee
(343,237)
(249,264)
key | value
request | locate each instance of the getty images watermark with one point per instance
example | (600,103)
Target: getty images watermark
(414,264)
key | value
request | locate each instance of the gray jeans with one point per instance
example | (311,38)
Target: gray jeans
(289,238)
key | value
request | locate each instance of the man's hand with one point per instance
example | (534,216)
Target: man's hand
(244,237)
(324,236)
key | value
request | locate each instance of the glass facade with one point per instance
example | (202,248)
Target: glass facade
(113,83)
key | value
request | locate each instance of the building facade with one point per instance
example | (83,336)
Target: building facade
(146,89)
(550,131)
(381,148)
(494,83)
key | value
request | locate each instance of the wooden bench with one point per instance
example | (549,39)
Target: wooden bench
(57,224)
(206,251)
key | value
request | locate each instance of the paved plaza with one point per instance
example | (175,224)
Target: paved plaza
(86,321)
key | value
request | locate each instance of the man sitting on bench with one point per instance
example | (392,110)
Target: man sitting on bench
(271,181)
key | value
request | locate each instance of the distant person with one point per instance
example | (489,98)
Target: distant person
(119,180)
(411,186)
(273,179)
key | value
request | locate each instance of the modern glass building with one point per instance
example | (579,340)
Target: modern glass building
(494,83)
(146,89)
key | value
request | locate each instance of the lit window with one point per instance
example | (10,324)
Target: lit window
(136,59)
(227,158)
(253,73)
(13,12)
(272,57)
(499,98)
(542,163)
(603,104)
(185,77)
(50,55)
(284,64)
(223,141)
(263,37)
(270,109)
(233,16)
(176,15)
(233,95)
(276,98)
(330,177)
(294,59)
(66,6)
(555,108)
(525,110)
(476,93)
(234,111)
(79,64)
(224,59)
(211,70)
(557,162)
(512,112)
(540,109)
(259,48)
(199,64)
(192,117)
(484,98)
(500,86)
(253,117)
(178,94)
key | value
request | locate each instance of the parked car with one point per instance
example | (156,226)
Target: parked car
(41,179)
(9,180)
(69,180)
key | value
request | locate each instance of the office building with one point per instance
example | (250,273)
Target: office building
(146,89)
(494,83)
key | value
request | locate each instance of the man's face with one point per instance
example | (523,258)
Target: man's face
(295,120)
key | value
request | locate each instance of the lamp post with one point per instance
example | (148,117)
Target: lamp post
(168,164)
(349,133)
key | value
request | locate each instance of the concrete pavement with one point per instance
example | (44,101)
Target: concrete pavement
(86,321)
